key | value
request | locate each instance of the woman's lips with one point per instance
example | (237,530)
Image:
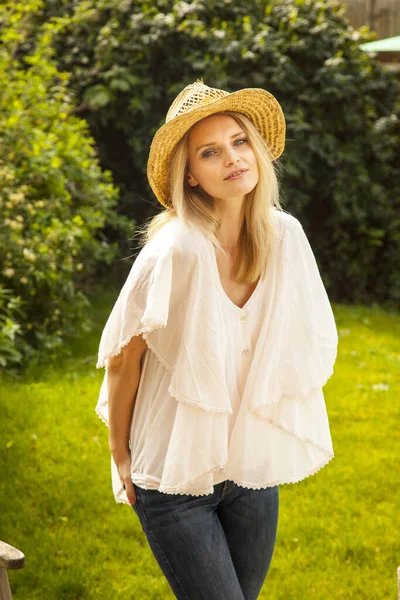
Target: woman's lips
(239,176)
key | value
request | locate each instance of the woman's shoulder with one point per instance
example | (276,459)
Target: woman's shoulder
(178,236)
(286,219)
(186,234)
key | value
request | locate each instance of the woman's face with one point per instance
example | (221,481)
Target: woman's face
(217,147)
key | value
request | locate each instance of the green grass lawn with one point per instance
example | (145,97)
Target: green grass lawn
(339,530)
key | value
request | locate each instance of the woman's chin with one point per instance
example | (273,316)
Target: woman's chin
(239,189)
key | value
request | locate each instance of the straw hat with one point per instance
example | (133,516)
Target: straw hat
(197,101)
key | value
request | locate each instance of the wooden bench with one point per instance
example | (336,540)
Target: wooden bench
(10,558)
(398,582)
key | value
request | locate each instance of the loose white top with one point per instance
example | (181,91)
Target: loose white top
(225,392)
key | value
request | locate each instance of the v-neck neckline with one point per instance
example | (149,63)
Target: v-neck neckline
(220,287)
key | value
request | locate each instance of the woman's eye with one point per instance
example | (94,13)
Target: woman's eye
(208,153)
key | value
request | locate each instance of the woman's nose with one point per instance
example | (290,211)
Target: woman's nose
(231,157)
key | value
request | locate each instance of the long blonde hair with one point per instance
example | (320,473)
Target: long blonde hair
(195,207)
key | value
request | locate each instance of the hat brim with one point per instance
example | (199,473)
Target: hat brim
(260,106)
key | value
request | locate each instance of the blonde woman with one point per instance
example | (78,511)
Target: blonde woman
(217,349)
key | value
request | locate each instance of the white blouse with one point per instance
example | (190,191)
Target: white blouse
(225,392)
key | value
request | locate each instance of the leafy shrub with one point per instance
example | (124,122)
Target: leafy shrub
(10,311)
(130,59)
(54,201)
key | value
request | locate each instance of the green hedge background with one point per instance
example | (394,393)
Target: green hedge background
(88,83)
(130,59)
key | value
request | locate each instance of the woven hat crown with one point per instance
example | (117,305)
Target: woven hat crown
(191,97)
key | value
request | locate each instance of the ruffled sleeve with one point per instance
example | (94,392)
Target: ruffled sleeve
(299,333)
(142,305)
(167,299)
(311,328)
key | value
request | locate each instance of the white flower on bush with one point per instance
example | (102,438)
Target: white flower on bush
(24,280)
(384,387)
(6,174)
(8,272)
(29,255)
(15,225)
(17,197)
(30,209)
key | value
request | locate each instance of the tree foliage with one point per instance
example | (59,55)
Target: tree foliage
(55,199)
(129,59)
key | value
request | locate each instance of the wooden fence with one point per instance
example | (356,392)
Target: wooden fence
(383,16)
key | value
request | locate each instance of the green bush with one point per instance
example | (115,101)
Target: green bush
(130,59)
(54,201)
(10,312)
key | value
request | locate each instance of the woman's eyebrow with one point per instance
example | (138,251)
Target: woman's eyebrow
(213,143)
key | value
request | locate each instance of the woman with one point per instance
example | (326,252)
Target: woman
(217,349)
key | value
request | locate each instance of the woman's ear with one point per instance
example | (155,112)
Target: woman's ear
(192,181)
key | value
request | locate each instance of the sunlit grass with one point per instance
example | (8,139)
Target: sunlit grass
(338,534)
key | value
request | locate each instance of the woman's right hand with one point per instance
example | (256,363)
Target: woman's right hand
(123,463)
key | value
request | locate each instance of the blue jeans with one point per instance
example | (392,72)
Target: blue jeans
(213,547)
